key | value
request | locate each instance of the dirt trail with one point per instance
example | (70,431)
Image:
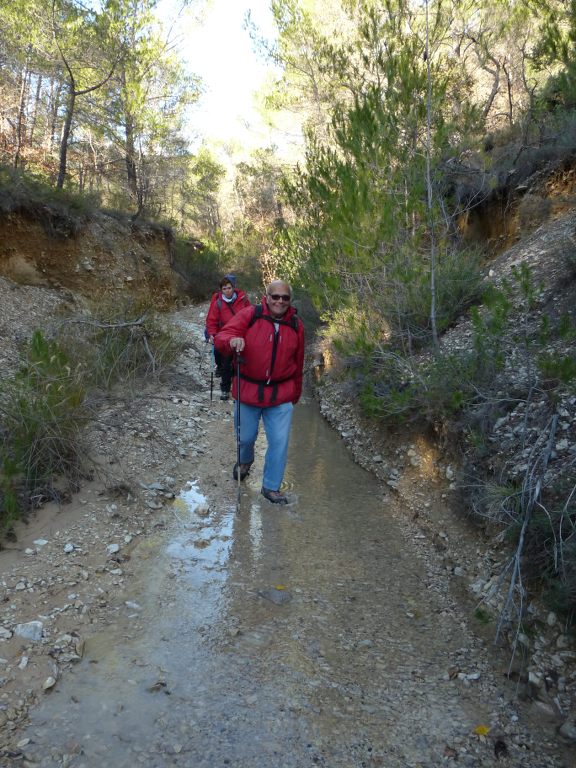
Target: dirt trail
(174,632)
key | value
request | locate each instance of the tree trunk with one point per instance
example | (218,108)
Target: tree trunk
(20,119)
(130,157)
(65,137)
(429,201)
(54,105)
(129,147)
(35,111)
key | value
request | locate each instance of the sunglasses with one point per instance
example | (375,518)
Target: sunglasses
(279,296)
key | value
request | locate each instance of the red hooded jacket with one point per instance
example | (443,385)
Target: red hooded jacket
(220,311)
(273,363)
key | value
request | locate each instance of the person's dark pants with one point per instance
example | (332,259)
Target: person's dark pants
(226,366)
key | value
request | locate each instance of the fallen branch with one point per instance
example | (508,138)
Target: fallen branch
(106,326)
(530,495)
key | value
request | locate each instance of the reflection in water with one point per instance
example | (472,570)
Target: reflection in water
(219,669)
(204,544)
(256,529)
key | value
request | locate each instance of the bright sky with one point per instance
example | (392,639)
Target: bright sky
(220,51)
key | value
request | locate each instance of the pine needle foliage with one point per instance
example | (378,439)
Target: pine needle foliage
(364,228)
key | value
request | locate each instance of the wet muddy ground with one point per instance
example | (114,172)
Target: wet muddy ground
(282,637)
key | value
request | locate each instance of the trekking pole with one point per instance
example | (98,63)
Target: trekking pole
(211,373)
(238,470)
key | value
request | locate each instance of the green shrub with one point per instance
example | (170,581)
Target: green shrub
(407,302)
(556,368)
(489,326)
(482,615)
(121,342)
(199,266)
(60,212)
(551,557)
(43,409)
(439,389)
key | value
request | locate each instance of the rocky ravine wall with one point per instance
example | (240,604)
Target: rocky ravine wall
(95,256)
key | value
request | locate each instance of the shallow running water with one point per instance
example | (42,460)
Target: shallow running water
(283,636)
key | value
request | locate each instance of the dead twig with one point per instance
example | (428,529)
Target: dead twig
(529,497)
(105,326)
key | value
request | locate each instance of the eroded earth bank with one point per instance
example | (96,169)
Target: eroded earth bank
(148,623)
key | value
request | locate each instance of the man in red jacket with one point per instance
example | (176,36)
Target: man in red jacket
(270,340)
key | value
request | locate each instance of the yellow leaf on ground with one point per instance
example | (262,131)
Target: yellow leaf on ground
(482,730)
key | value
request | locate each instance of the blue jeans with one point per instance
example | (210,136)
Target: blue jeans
(277,420)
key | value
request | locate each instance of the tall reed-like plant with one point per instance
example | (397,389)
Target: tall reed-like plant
(42,410)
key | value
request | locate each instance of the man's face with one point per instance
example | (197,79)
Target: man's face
(278,299)
(227,290)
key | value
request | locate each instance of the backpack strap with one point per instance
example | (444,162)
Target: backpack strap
(258,314)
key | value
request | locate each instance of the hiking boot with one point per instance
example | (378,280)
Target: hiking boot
(276,497)
(224,395)
(244,471)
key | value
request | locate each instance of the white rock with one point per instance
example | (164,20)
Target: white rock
(32,630)
(113,548)
(535,679)
(544,710)
(478,586)
(568,730)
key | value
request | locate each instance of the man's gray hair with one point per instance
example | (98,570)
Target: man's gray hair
(279,281)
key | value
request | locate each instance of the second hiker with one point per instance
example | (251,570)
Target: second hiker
(224,305)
